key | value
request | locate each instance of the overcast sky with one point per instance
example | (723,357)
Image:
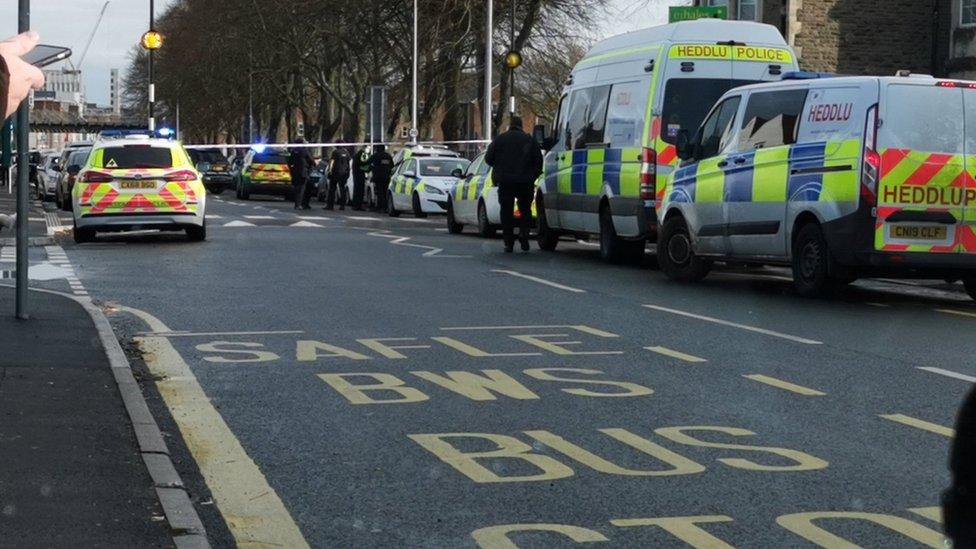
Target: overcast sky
(69,22)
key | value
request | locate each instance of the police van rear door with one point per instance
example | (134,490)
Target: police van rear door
(923,169)
(966,235)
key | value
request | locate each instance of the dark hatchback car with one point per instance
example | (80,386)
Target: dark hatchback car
(215,169)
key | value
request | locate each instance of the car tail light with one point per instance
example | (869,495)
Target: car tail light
(182,175)
(871,168)
(648,173)
(95,177)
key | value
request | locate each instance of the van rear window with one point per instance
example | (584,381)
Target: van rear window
(136,156)
(922,118)
(688,100)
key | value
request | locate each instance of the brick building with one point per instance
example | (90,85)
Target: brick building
(935,37)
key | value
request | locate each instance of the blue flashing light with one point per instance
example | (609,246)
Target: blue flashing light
(807,75)
(259,147)
(165,132)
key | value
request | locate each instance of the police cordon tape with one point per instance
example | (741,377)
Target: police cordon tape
(332,145)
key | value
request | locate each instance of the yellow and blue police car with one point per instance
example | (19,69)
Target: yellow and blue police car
(473,200)
(422,184)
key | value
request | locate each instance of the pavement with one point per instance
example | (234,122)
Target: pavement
(343,379)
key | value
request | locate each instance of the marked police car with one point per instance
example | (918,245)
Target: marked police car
(619,117)
(474,201)
(421,150)
(837,177)
(137,182)
(422,184)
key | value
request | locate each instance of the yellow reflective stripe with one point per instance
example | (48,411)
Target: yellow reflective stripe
(96,158)
(731,53)
(649,111)
(900,173)
(630,171)
(564,179)
(617,53)
(594,170)
(771,175)
(473,189)
(841,186)
(710,188)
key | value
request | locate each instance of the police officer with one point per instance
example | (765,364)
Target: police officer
(381,166)
(516,161)
(959,501)
(300,162)
(360,163)
(338,174)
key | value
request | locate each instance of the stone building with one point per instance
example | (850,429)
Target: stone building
(935,37)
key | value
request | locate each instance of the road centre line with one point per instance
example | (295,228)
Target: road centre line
(785,385)
(736,325)
(252,509)
(948,373)
(198,334)
(957,313)
(920,424)
(577,327)
(675,354)
(540,280)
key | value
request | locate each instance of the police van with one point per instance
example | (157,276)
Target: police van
(623,107)
(837,177)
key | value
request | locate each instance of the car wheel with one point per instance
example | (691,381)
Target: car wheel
(66,203)
(970,285)
(676,254)
(390,207)
(811,261)
(546,236)
(245,192)
(614,249)
(196,233)
(485,230)
(418,211)
(57,198)
(453,226)
(82,235)
(217,190)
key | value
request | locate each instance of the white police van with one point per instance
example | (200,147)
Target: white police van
(837,177)
(613,140)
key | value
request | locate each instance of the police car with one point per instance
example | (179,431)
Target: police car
(265,171)
(473,200)
(837,177)
(619,118)
(138,182)
(422,150)
(422,184)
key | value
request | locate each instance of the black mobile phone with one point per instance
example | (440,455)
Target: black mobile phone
(43,55)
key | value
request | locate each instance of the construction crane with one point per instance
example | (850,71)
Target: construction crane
(91,37)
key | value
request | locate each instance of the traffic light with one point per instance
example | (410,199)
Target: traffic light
(513,59)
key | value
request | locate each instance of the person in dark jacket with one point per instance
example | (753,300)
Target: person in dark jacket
(516,162)
(338,174)
(959,501)
(360,163)
(300,162)
(381,167)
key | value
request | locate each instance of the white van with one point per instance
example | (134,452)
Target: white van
(837,177)
(623,107)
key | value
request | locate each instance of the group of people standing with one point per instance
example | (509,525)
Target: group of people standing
(336,172)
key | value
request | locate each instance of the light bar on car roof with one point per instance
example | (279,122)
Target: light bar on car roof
(949,84)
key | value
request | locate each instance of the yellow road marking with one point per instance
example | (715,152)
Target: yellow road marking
(779,383)
(932,513)
(252,509)
(920,424)
(577,327)
(675,354)
(474,351)
(957,313)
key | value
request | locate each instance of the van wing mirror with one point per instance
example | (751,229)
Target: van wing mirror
(539,133)
(457,172)
(683,145)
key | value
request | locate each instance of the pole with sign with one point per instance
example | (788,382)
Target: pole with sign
(691,13)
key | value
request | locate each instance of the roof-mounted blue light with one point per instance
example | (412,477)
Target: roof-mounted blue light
(807,75)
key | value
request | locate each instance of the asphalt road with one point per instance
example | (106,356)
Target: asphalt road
(360,381)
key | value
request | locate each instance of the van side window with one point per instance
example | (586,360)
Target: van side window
(625,115)
(719,127)
(596,116)
(559,126)
(772,119)
(576,120)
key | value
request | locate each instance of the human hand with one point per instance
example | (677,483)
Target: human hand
(23,76)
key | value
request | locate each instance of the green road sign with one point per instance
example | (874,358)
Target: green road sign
(690,13)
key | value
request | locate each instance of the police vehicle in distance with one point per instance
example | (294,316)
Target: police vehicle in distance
(265,171)
(418,150)
(138,182)
(422,184)
(837,177)
(473,200)
(613,140)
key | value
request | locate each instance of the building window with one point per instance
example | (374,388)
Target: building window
(967,11)
(716,3)
(748,10)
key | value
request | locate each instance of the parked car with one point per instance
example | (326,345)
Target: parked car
(47,176)
(73,160)
(214,167)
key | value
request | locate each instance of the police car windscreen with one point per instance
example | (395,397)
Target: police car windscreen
(688,100)
(136,156)
(270,158)
(434,168)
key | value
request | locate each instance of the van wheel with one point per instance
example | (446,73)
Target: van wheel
(453,226)
(390,208)
(811,262)
(970,284)
(197,234)
(676,254)
(485,230)
(417,210)
(245,192)
(614,249)
(547,237)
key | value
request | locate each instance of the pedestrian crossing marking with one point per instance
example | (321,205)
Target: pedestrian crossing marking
(305,224)
(238,223)
(313,218)
(957,313)
(259,217)
(920,424)
(785,385)
(675,354)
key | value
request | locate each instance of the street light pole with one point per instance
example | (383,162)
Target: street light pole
(152,85)
(23,172)
(486,124)
(511,71)
(413,121)
(250,98)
